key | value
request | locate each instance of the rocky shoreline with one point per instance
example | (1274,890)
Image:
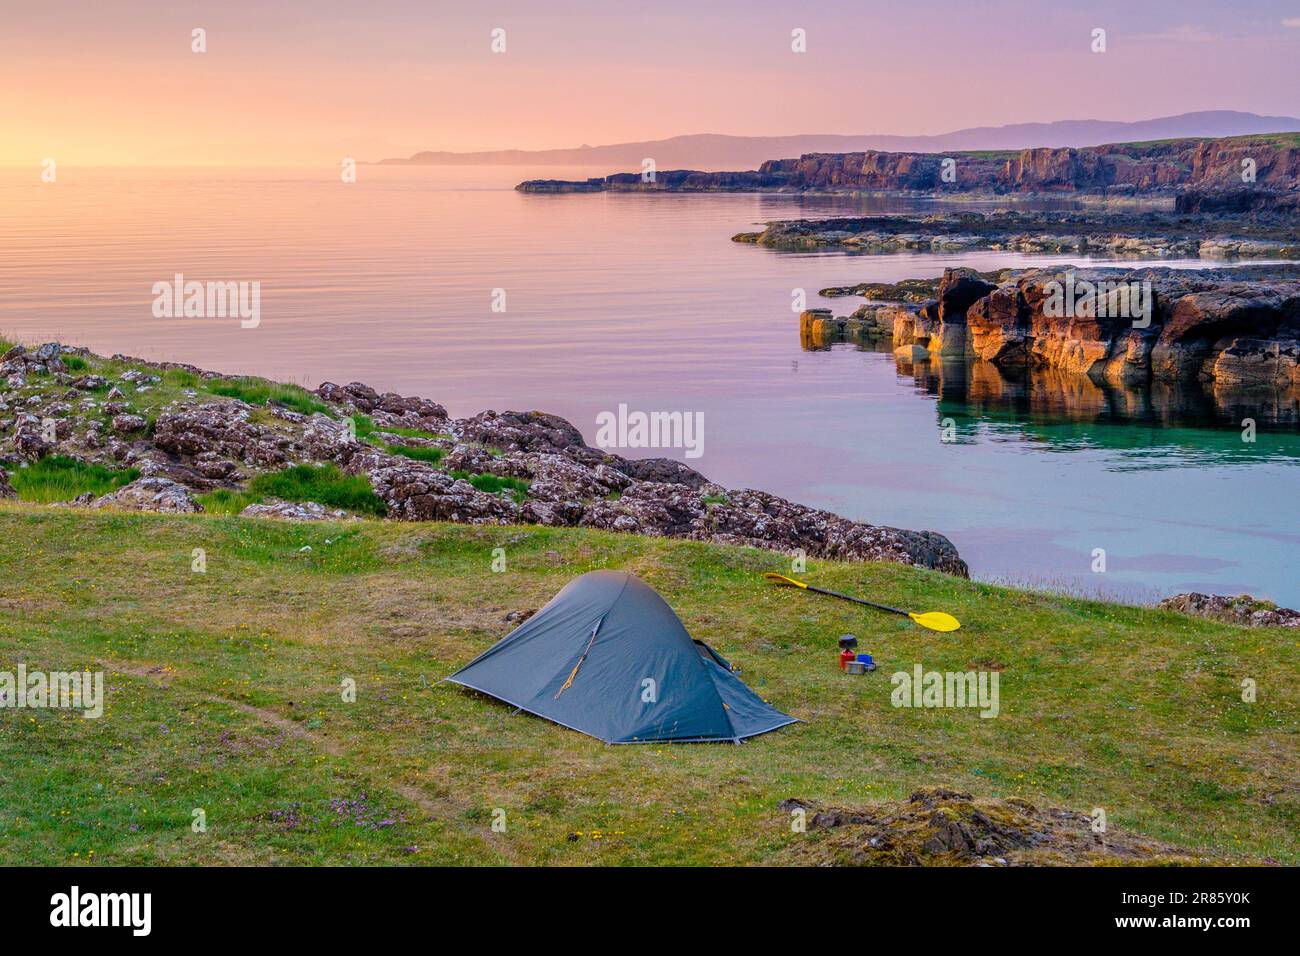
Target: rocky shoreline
(1148,235)
(170,423)
(1230,328)
(1271,161)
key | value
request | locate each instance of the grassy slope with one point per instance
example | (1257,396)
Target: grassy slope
(223,693)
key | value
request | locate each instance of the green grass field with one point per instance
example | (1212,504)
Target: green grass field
(224,694)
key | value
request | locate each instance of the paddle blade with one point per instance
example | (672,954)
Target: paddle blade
(936,621)
(782,579)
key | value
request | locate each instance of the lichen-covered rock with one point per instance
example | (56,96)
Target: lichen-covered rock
(150,493)
(941,827)
(545,471)
(225,430)
(6,489)
(294,511)
(417,491)
(1123,326)
(1242,609)
(386,409)
(128,423)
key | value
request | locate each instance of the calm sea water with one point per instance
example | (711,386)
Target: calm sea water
(643,300)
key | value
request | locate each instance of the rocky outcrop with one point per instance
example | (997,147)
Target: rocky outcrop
(1134,326)
(1242,609)
(1236,330)
(565,490)
(941,827)
(221,438)
(294,511)
(671,180)
(1120,168)
(491,468)
(150,494)
(1151,234)
(387,409)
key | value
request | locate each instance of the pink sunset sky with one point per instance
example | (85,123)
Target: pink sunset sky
(115,81)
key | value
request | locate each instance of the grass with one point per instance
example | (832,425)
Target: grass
(59,478)
(517,488)
(223,693)
(325,484)
(418,453)
(257,391)
(224,501)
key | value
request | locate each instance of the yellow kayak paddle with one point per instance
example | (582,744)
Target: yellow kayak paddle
(934,620)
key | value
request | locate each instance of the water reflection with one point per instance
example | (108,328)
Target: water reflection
(1150,426)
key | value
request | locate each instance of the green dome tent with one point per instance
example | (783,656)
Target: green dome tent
(608,657)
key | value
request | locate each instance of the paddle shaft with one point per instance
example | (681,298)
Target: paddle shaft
(845,597)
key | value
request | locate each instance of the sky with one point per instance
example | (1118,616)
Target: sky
(301,83)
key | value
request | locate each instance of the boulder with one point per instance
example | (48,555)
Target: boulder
(294,511)
(999,328)
(1242,609)
(519,431)
(959,289)
(128,423)
(912,353)
(150,494)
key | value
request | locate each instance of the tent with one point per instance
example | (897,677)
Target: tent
(608,657)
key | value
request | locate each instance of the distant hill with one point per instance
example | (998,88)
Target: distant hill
(712,151)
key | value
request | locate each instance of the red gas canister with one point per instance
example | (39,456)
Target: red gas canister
(846,655)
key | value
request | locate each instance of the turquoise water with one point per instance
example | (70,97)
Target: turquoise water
(643,300)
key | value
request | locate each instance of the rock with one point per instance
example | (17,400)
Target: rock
(1242,609)
(912,353)
(663,470)
(958,291)
(999,325)
(941,827)
(28,440)
(389,408)
(1121,169)
(224,430)
(128,423)
(519,431)
(18,363)
(1224,326)
(294,511)
(6,489)
(150,494)
(416,491)
(197,445)
(1248,363)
